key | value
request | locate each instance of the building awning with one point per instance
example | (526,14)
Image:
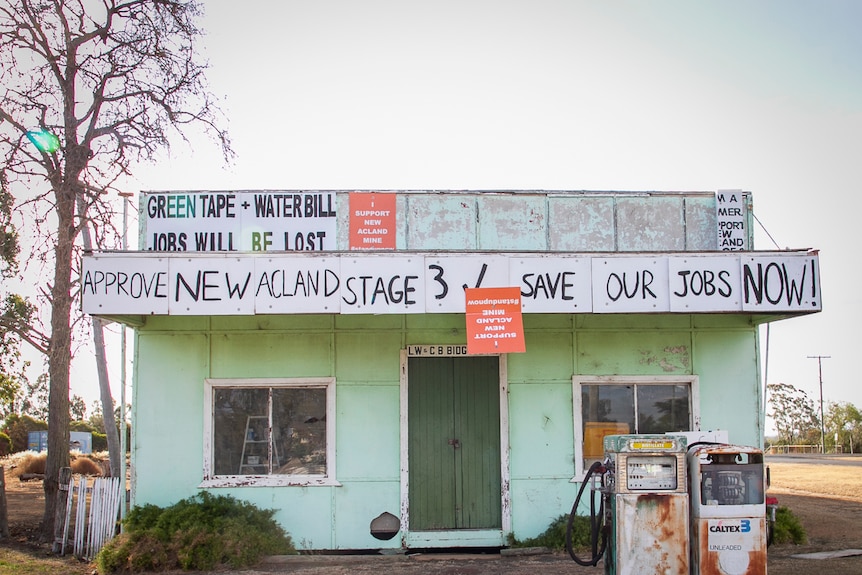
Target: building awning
(205,284)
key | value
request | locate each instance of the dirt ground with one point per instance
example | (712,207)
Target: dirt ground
(25,501)
(831,524)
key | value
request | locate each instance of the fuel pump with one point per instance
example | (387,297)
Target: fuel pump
(644,506)
(728,510)
(676,509)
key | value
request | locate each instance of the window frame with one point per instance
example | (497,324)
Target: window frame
(212,480)
(692,381)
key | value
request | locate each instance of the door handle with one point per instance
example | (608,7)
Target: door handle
(455,443)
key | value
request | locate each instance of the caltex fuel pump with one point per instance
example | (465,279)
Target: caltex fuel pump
(728,510)
(661,506)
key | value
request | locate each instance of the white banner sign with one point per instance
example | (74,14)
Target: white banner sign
(291,283)
(780,282)
(552,284)
(698,283)
(371,284)
(297,285)
(448,276)
(135,285)
(730,217)
(239,221)
(630,284)
(212,286)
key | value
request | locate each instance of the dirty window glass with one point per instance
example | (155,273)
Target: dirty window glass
(731,479)
(606,410)
(663,408)
(299,424)
(270,431)
(623,408)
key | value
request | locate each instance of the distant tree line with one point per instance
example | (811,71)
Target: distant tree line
(797,420)
(24,408)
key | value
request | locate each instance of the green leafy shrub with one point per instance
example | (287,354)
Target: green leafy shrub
(134,553)
(18,427)
(554,537)
(5,444)
(787,528)
(198,533)
(100,441)
(82,426)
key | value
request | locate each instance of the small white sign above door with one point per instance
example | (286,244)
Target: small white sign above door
(446,350)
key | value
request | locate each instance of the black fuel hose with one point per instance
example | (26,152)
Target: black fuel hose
(598,535)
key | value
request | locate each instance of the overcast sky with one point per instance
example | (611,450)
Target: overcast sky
(661,95)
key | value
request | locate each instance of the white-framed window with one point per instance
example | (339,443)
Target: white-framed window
(619,405)
(269,432)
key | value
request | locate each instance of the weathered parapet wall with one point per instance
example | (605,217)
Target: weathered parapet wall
(521,220)
(553,221)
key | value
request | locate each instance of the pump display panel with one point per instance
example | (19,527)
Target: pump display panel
(733,484)
(651,472)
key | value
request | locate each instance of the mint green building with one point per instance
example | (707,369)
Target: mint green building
(280,361)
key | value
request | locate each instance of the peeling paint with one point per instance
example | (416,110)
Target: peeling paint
(671,360)
(651,529)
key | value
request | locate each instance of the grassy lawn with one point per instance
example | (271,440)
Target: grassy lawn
(39,562)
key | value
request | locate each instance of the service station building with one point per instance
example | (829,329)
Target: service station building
(445,362)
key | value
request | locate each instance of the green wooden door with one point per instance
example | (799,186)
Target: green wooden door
(454,443)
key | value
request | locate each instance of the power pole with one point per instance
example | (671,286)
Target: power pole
(820,359)
(125,245)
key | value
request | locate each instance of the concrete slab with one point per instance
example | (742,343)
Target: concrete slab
(829,554)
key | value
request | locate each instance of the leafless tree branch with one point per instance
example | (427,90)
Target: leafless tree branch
(116,81)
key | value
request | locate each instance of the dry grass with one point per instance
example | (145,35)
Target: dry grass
(26,562)
(836,481)
(23,462)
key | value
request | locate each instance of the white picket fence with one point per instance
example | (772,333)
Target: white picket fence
(96,526)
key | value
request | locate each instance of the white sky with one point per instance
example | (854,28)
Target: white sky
(559,94)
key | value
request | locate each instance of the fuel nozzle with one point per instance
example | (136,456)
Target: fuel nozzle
(608,465)
(598,533)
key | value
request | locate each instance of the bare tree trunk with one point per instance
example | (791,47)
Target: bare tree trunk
(4,514)
(59,355)
(102,365)
(91,62)
(107,400)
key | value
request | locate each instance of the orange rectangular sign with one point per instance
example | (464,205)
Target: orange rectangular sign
(372,221)
(494,322)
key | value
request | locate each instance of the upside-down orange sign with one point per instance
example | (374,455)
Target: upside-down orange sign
(494,323)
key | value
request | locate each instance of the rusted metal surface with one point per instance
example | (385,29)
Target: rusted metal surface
(651,534)
(728,510)
(724,449)
(724,549)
